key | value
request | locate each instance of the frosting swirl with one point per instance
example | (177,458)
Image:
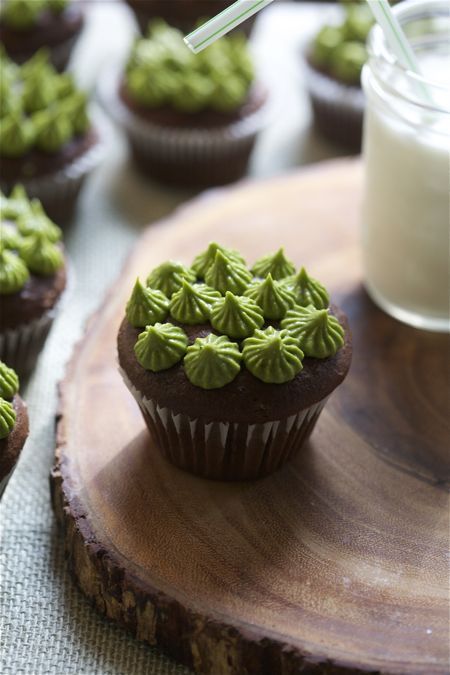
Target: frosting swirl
(7,418)
(13,273)
(9,382)
(9,237)
(52,129)
(212,362)
(41,256)
(36,220)
(225,275)
(191,304)
(22,15)
(205,259)
(275,264)
(168,277)
(236,316)
(272,356)
(318,332)
(16,134)
(306,290)
(16,205)
(146,306)
(160,347)
(273,298)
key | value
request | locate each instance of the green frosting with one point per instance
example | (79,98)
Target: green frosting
(318,332)
(146,306)
(52,129)
(340,49)
(205,259)
(7,418)
(191,304)
(16,205)
(13,273)
(162,72)
(40,255)
(9,237)
(168,277)
(272,356)
(212,362)
(160,347)
(41,108)
(25,14)
(275,264)
(225,275)
(236,316)
(306,290)
(9,382)
(16,134)
(36,220)
(272,296)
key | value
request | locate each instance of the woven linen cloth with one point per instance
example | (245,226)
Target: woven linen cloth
(46,624)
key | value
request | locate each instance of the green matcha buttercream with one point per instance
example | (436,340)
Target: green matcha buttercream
(13,272)
(9,236)
(168,277)
(212,362)
(9,382)
(205,259)
(306,290)
(318,332)
(191,304)
(16,133)
(236,316)
(7,418)
(40,255)
(36,220)
(273,298)
(272,356)
(160,347)
(21,14)
(275,264)
(52,129)
(225,275)
(16,205)
(146,306)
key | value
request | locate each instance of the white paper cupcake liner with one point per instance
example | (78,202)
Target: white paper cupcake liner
(225,450)
(338,108)
(206,156)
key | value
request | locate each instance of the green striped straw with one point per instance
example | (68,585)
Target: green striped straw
(221,24)
(397,41)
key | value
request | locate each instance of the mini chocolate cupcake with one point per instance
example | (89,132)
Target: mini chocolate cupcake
(47,140)
(334,62)
(28,25)
(13,423)
(191,120)
(32,279)
(231,367)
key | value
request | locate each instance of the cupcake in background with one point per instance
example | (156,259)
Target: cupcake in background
(32,279)
(47,140)
(231,365)
(191,120)
(28,25)
(13,423)
(334,61)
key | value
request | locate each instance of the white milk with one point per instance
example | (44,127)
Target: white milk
(406,202)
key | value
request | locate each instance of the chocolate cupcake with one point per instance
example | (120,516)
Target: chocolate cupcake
(47,140)
(191,120)
(334,63)
(28,25)
(181,14)
(231,367)
(13,423)
(32,279)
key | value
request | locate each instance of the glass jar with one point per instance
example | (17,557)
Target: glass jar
(406,150)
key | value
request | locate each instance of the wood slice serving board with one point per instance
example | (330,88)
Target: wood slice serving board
(337,563)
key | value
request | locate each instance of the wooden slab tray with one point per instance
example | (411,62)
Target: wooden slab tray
(336,564)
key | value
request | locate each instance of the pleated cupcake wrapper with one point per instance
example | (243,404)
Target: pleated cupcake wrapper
(20,347)
(58,191)
(338,108)
(225,450)
(204,151)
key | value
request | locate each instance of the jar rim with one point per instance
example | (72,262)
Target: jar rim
(379,50)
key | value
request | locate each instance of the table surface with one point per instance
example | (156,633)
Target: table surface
(47,626)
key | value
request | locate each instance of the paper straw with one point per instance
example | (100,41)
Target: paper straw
(221,24)
(397,40)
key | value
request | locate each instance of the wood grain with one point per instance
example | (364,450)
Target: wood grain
(337,563)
